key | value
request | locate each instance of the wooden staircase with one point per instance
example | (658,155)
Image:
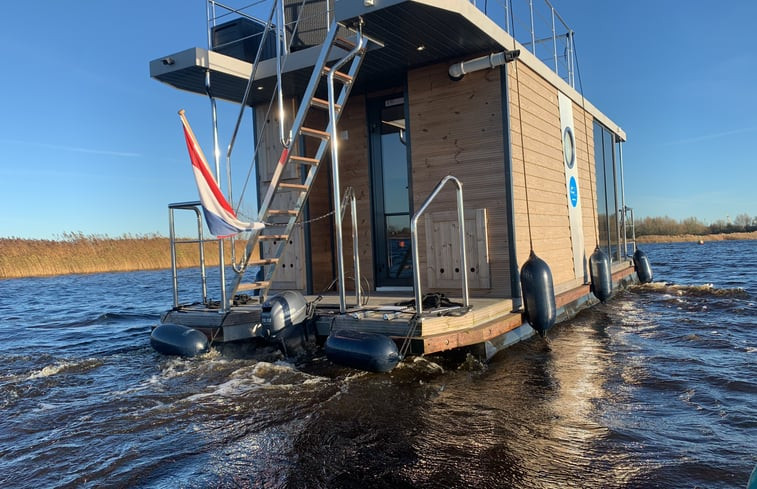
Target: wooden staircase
(339,77)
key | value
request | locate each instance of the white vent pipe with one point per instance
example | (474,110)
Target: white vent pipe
(458,70)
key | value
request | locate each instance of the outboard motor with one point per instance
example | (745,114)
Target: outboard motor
(284,320)
(538,294)
(601,274)
(643,267)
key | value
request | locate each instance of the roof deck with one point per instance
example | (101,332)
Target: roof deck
(413,33)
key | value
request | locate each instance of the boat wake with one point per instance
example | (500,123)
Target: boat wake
(703,290)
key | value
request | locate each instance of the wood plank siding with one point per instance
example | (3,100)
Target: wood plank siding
(538,139)
(456,129)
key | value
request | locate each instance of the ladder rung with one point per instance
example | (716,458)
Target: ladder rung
(293,186)
(252,286)
(263,262)
(304,159)
(323,104)
(315,133)
(344,43)
(343,77)
(273,237)
(282,212)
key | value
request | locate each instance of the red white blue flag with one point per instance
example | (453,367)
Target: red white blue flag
(219,215)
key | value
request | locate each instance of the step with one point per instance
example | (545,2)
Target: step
(341,76)
(324,104)
(283,212)
(304,160)
(292,186)
(263,262)
(253,286)
(344,43)
(313,133)
(273,237)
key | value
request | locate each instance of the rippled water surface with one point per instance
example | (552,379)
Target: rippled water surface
(656,388)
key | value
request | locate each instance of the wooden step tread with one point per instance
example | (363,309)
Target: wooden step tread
(323,104)
(253,286)
(315,133)
(344,43)
(304,159)
(293,186)
(339,75)
(283,212)
(263,262)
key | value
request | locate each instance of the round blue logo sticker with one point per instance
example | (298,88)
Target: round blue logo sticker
(573,191)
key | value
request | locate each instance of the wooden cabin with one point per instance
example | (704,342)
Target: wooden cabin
(540,166)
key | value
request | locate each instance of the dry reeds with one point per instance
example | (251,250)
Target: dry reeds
(79,253)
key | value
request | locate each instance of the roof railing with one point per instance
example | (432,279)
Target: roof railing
(538,26)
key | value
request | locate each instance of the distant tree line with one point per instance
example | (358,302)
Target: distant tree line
(667,226)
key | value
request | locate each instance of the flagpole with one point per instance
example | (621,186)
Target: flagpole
(216,158)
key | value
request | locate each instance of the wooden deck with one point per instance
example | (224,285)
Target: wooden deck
(441,329)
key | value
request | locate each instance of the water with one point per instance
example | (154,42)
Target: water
(654,389)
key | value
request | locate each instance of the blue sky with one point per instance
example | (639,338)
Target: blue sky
(91,144)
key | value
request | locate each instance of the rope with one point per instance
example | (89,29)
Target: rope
(412,325)
(522,145)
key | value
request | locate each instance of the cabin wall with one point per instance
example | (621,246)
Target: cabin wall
(539,139)
(456,129)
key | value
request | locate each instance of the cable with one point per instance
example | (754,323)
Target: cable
(522,142)
(586,135)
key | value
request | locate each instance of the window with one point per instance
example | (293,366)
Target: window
(608,176)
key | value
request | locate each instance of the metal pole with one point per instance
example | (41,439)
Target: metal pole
(355,249)
(336,193)
(201,239)
(335,171)
(281,50)
(623,195)
(463,254)
(533,35)
(208,20)
(554,41)
(172,239)
(217,158)
(508,7)
(571,77)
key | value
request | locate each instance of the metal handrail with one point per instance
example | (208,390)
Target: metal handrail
(190,206)
(414,242)
(349,193)
(624,212)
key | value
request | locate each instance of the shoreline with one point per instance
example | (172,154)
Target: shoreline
(695,238)
(27,258)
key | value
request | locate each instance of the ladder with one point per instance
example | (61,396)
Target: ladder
(281,222)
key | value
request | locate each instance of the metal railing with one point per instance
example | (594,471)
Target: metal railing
(414,242)
(200,241)
(625,223)
(538,26)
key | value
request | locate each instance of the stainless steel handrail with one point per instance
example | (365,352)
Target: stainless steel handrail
(414,242)
(190,206)
(349,193)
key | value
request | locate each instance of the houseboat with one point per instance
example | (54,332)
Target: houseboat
(484,191)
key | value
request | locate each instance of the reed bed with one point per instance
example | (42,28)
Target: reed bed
(77,253)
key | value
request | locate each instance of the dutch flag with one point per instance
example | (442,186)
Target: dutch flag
(219,215)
